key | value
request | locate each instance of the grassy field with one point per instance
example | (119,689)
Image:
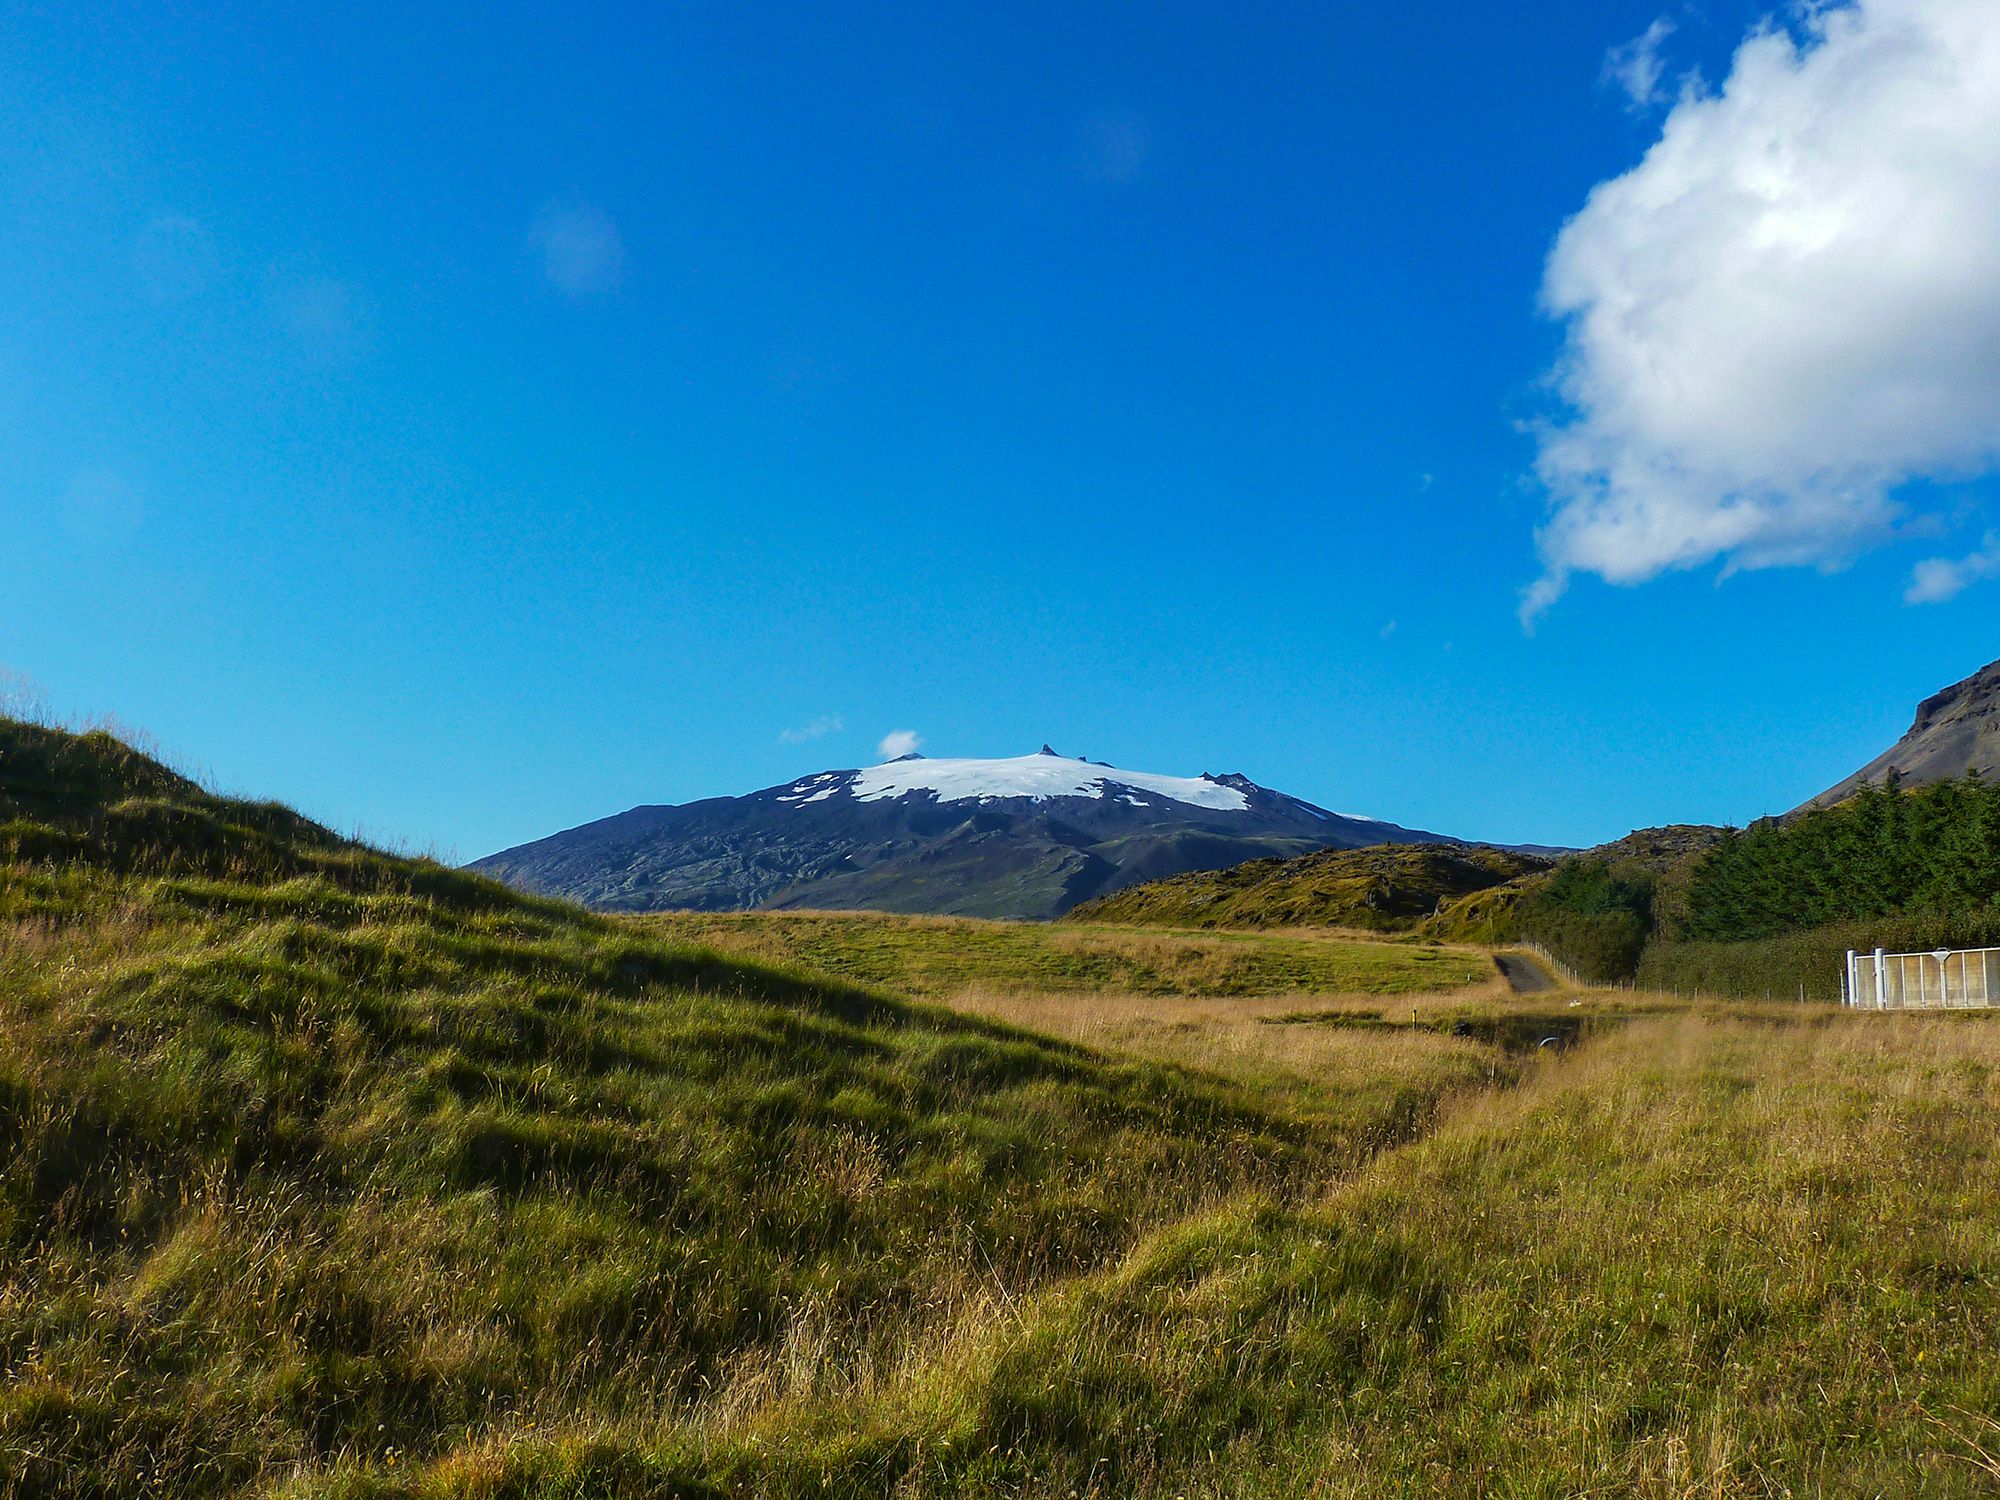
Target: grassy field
(1698,1257)
(325,1174)
(936,957)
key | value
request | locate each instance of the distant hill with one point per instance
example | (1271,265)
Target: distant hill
(1026,837)
(1658,850)
(1385,888)
(1956,731)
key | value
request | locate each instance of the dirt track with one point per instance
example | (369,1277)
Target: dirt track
(1525,975)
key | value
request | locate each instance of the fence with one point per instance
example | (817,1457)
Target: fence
(1949,979)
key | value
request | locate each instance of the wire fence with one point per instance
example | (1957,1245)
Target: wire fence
(1553,964)
(1948,979)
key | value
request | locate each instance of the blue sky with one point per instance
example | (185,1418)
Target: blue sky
(463,424)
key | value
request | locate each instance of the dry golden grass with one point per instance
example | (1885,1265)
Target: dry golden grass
(935,956)
(344,1177)
(1278,1044)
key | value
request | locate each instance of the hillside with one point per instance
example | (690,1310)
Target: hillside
(318,1162)
(1027,837)
(1388,888)
(325,1175)
(1956,733)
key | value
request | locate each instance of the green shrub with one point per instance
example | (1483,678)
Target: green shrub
(1882,853)
(1593,916)
(1815,959)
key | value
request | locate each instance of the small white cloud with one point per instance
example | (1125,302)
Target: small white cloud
(899,742)
(1636,67)
(820,728)
(1789,310)
(580,249)
(1940,578)
(1387,630)
(1112,146)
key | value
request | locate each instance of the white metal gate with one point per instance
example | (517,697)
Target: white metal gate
(1949,979)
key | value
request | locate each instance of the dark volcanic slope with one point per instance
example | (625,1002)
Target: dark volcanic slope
(1957,731)
(1029,837)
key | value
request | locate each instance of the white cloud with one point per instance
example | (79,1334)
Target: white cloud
(1788,309)
(1937,579)
(1637,67)
(581,251)
(899,742)
(1113,145)
(820,728)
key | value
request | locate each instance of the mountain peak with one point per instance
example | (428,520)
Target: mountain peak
(1025,837)
(1045,750)
(906,755)
(1956,731)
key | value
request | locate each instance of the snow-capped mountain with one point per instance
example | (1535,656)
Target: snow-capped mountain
(1028,836)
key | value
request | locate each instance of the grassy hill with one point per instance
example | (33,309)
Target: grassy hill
(317,1162)
(1385,888)
(328,1174)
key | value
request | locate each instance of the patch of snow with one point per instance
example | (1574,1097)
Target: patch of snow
(1039,777)
(799,794)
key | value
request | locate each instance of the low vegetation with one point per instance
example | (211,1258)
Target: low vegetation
(940,956)
(1592,915)
(327,1175)
(1773,909)
(319,1166)
(1386,888)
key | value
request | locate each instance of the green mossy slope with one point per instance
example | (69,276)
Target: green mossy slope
(1386,888)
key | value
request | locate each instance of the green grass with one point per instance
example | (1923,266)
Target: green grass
(326,1174)
(1386,888)
(1705,1258)
(938,956)
(1814,959)
(318,1163)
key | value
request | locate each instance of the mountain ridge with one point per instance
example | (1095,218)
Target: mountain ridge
(1956,731)
(1029,837)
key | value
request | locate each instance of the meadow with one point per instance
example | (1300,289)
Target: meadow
(329,1174)
(937,956)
